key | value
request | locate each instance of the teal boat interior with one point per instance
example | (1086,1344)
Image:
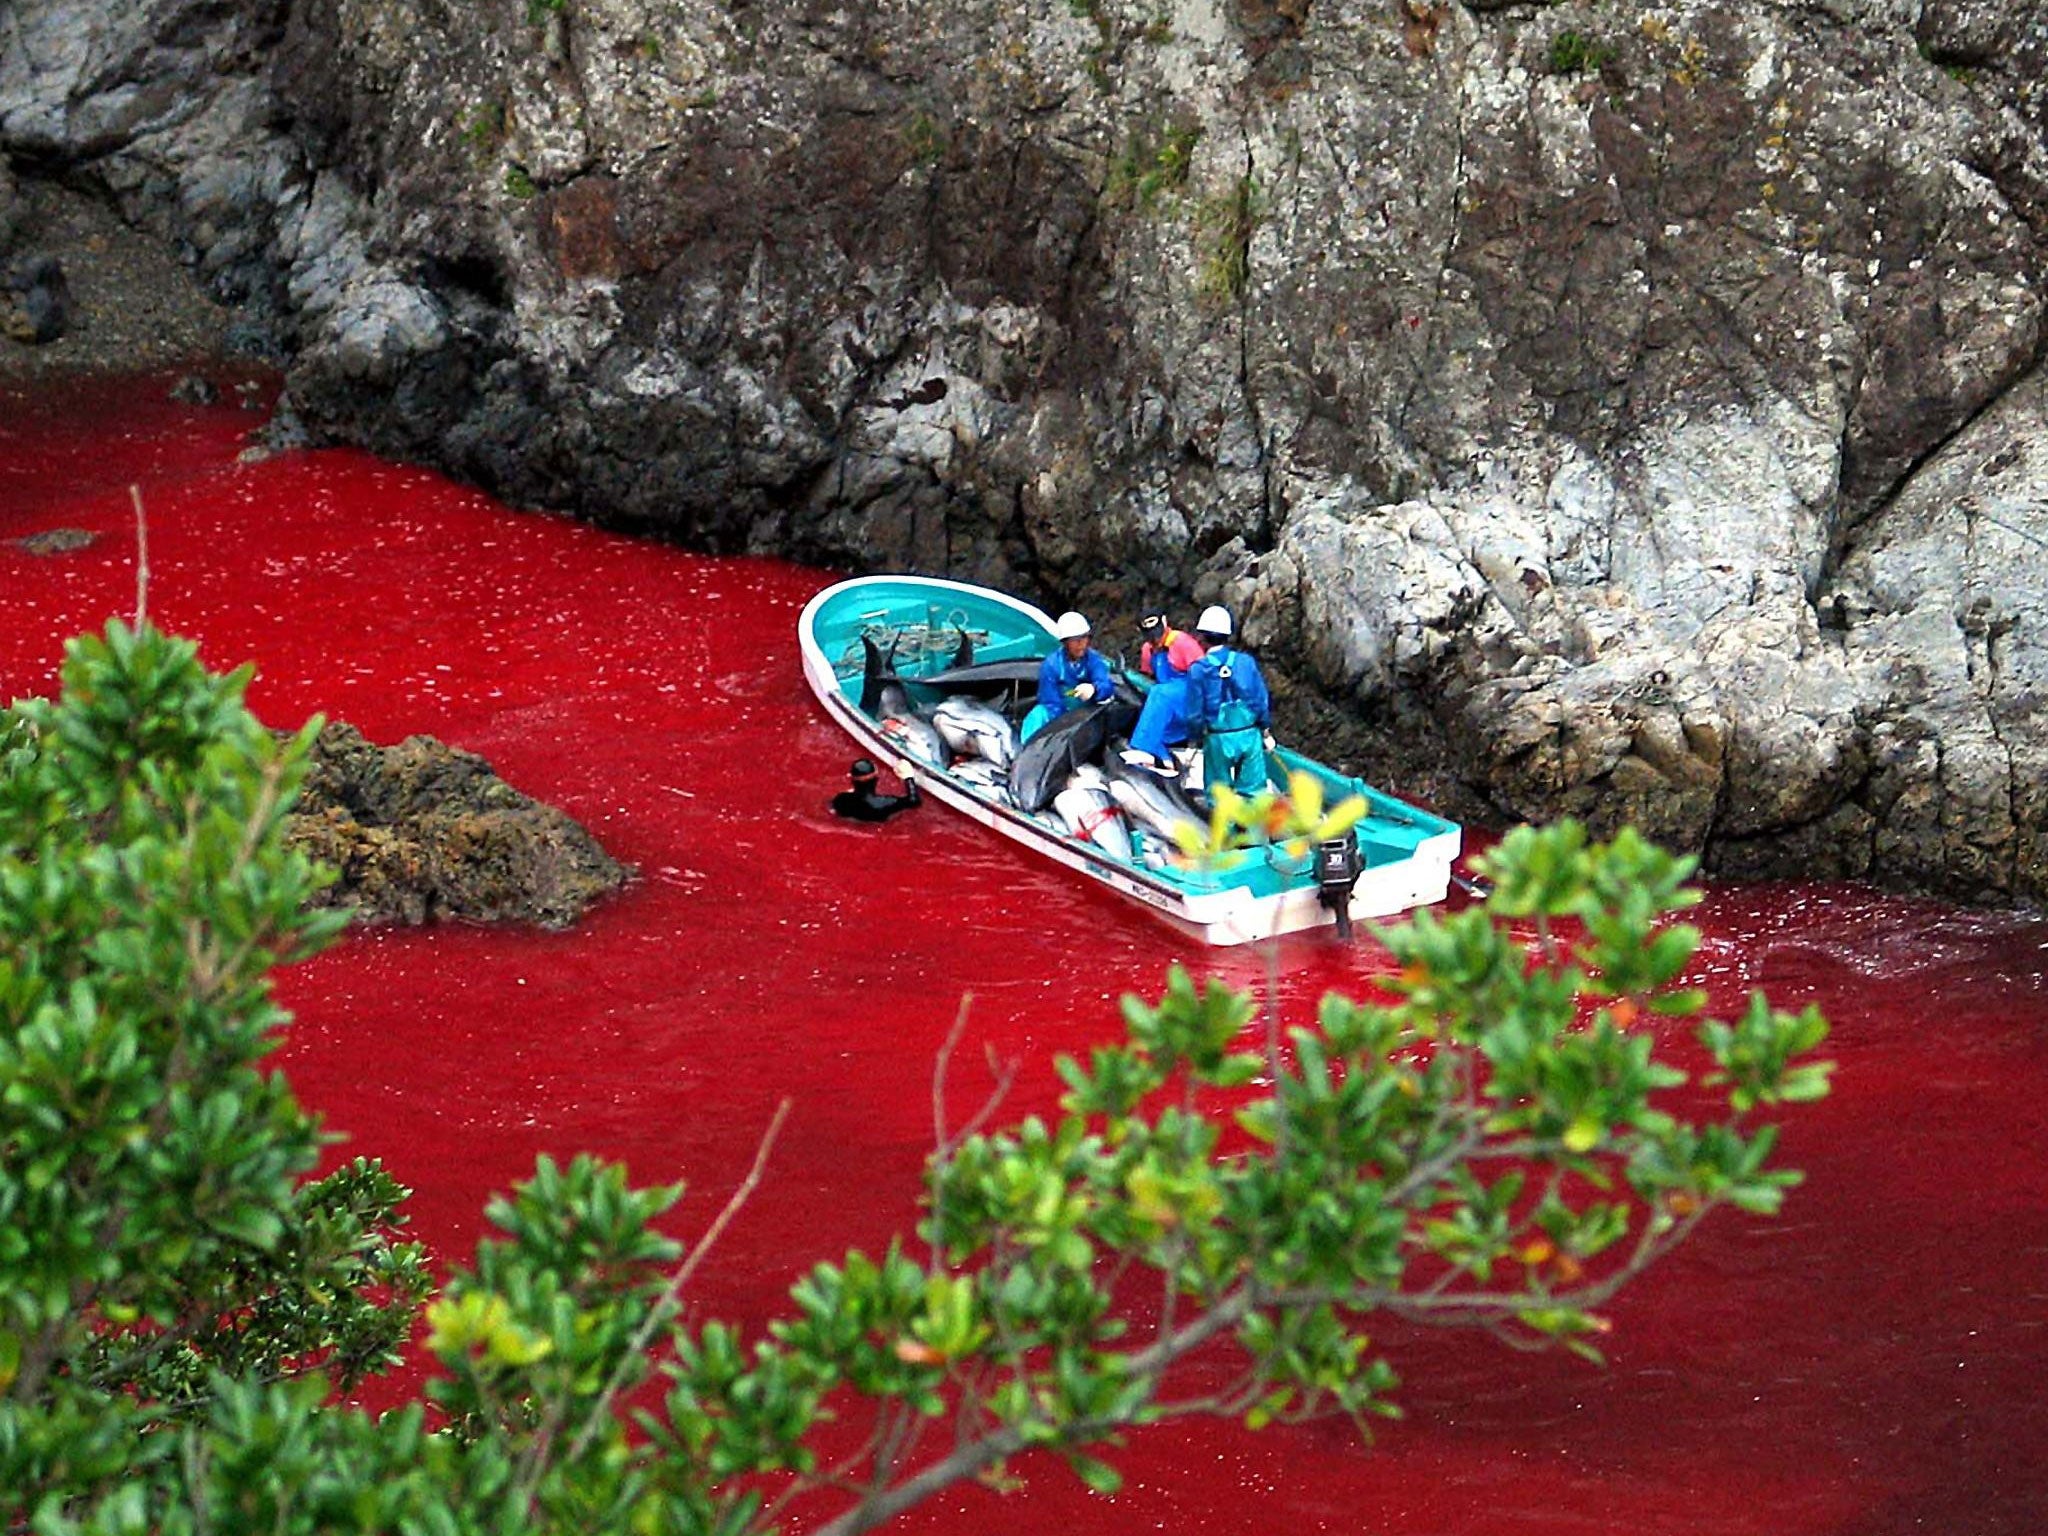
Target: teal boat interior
(921,630)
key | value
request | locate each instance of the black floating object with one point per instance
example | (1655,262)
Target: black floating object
(1476,886)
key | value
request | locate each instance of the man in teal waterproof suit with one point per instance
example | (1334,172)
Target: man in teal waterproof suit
(1227,700)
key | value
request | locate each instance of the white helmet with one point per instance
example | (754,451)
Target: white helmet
(1214,621)
(1070,626)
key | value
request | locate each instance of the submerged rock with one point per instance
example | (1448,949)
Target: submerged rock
(423,831)
(55,541)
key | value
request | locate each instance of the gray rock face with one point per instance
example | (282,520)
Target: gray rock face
(10,214)
(1613,397)
(35,301)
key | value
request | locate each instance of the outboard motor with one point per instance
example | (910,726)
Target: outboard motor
(1338,866)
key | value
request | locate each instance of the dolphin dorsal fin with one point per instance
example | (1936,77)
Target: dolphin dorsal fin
(963,653)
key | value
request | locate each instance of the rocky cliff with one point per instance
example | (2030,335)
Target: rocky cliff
(1636,406)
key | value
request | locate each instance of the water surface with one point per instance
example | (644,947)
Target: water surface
(1871,1363)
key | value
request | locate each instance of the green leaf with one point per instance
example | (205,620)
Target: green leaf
(1098,1475)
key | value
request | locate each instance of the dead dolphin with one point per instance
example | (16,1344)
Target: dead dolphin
(1045,762)
(1150,799)
(987,676)
(985,779)
(883,696)
(972,729)
(881,691)
(915,737)
(1090,812)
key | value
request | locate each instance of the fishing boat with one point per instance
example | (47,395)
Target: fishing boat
(932,678)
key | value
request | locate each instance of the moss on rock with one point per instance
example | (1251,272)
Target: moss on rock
(423,831)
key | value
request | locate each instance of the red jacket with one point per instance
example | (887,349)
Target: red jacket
(1178,650)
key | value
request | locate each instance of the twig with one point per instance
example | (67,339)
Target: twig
(664,1307)
(141,558)
(1004,1073)
(939,1071)
(945,1145)
(977,1456)
(939,1132)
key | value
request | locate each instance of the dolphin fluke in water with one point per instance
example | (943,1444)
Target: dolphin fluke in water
(1048,760)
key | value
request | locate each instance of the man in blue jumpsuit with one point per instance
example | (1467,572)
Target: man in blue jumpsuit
(1163,722)
(1072,675)
(1228,702)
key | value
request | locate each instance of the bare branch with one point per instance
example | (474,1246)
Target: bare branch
(141,558)
(978,1456)
(939,1130)
(665,1306)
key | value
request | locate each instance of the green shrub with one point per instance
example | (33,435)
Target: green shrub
(1576,53)
(1224,225)
(1494,1141)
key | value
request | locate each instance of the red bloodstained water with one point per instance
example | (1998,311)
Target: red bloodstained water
(1870,1363)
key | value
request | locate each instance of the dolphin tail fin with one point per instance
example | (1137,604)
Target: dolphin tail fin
(874,673)
(963,653)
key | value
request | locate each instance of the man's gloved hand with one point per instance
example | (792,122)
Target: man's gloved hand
(1085,692)
(1267,738)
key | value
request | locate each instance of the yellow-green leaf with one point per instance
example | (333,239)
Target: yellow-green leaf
(1305,790)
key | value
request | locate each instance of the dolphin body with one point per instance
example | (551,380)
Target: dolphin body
(987,676)
(1013,679)
(1045,762)
(1150,799)
(972,729)
(985,779)
(1089,811)
(883,696)
(916,737)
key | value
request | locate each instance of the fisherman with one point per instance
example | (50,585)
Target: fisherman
(1229,707)
(1074,674)
(864,802)
(1163,722)
(1168,652)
